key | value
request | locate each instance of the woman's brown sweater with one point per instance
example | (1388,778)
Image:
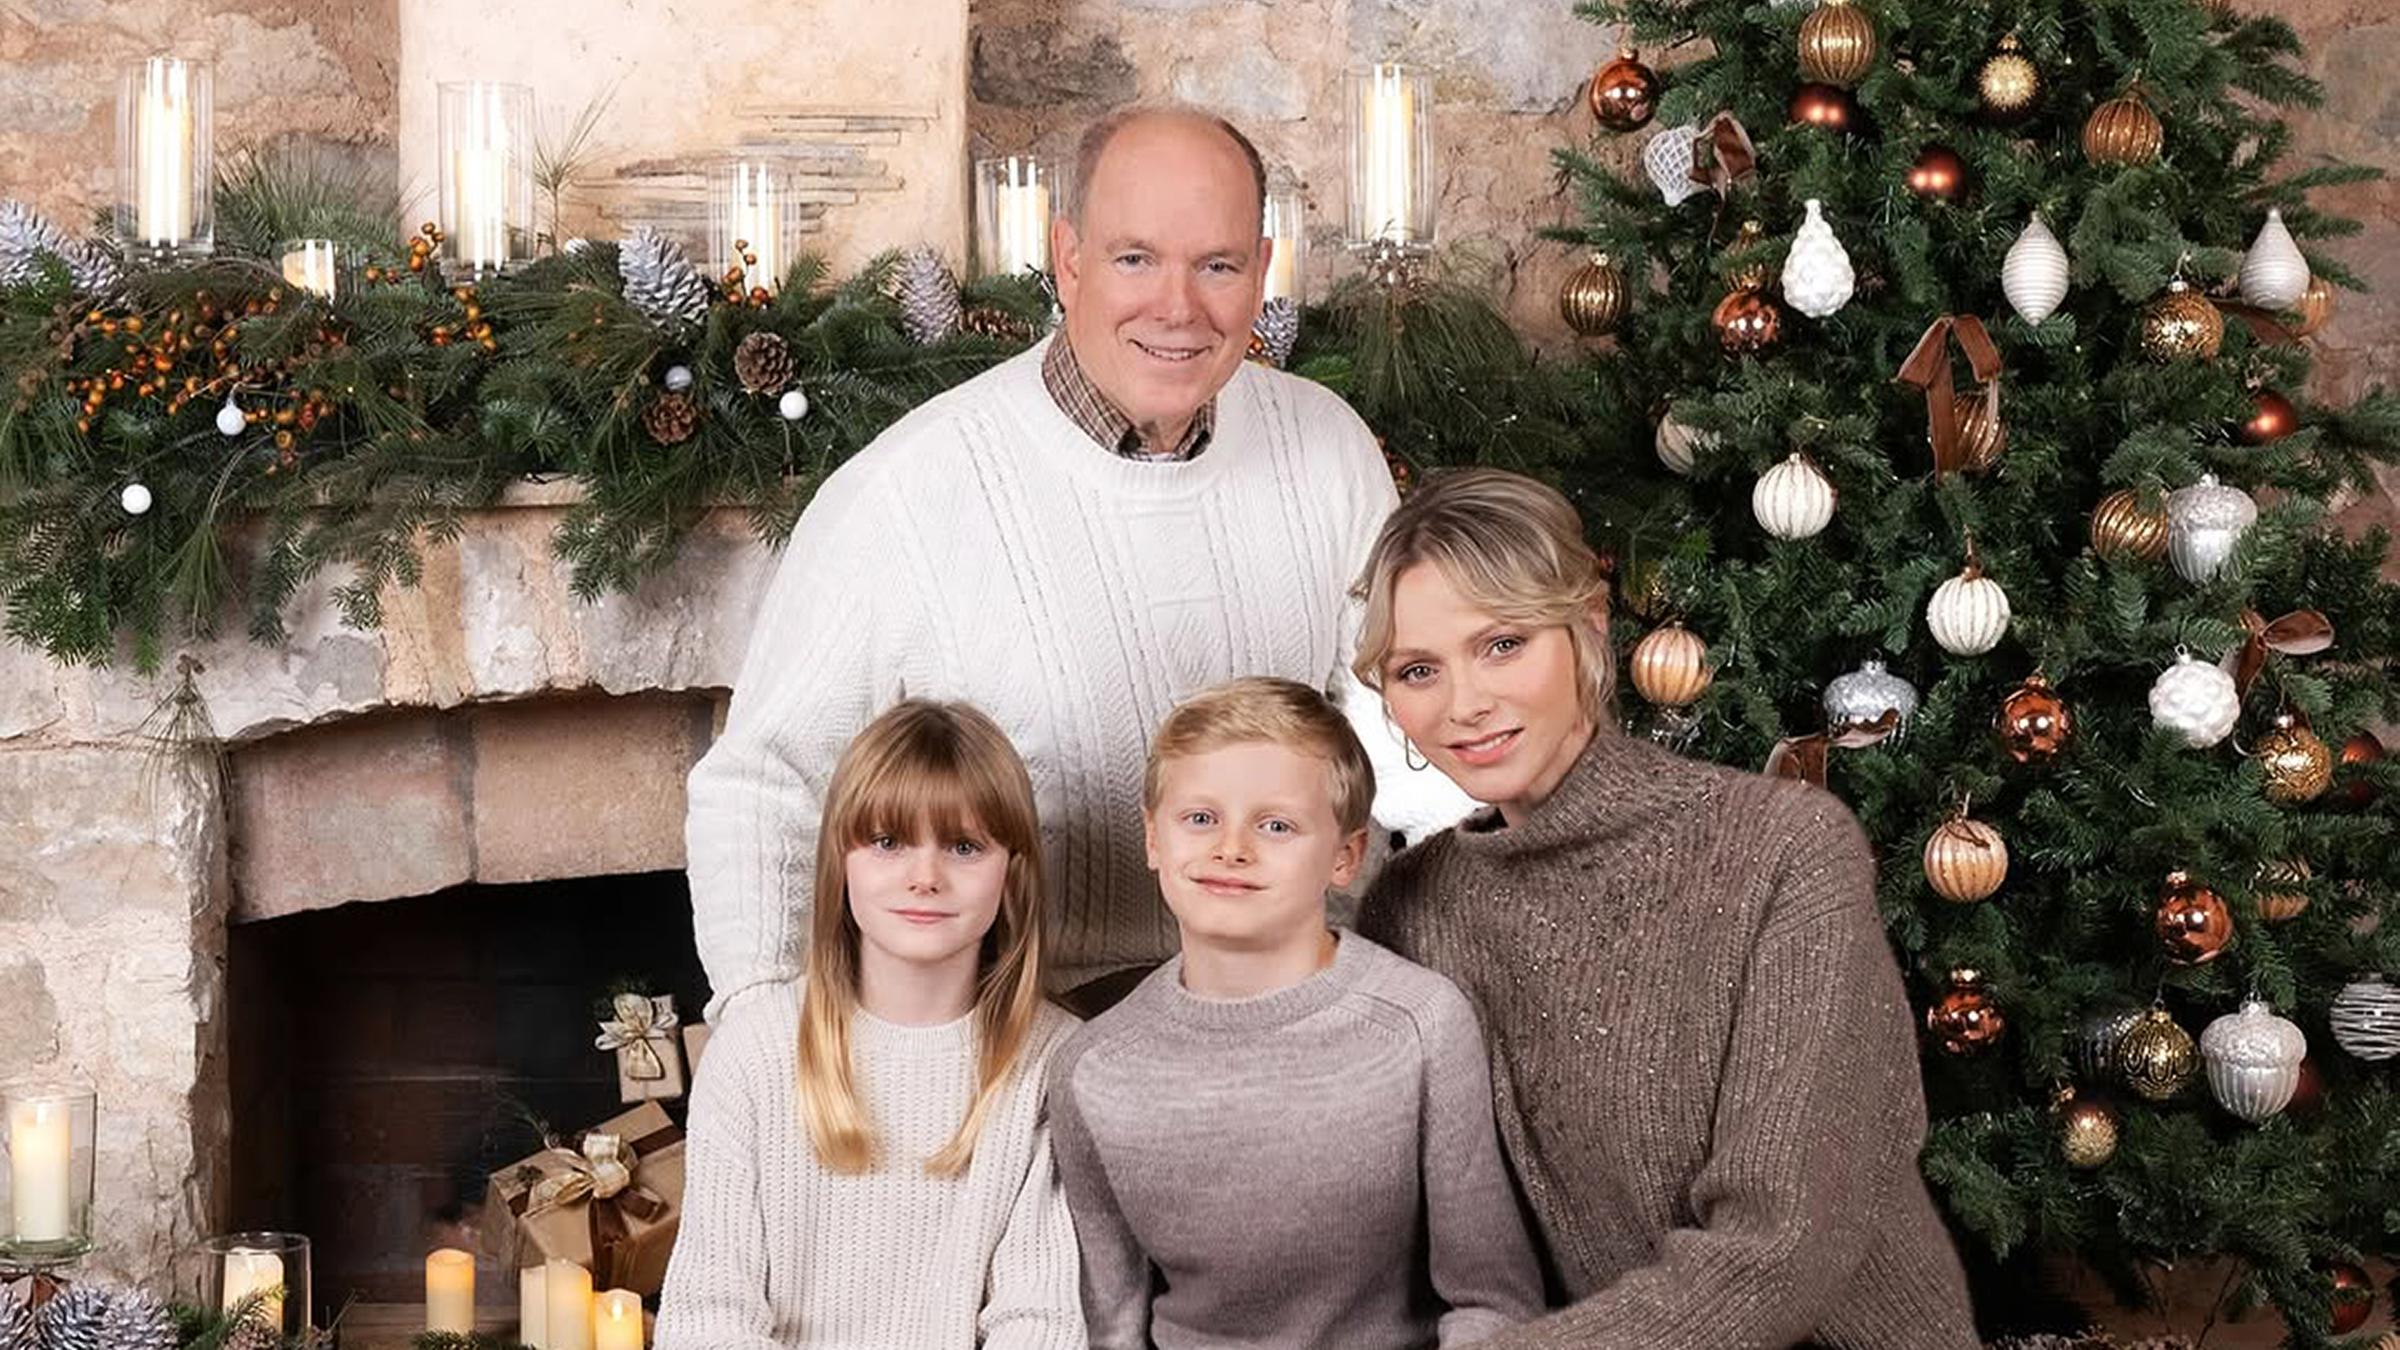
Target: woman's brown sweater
(1703,1060)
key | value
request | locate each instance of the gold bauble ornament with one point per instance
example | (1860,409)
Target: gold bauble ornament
(2034,723)
(2122,132)
(1965,1019)
(1670,667)
(2299,764)
(1624,93)
(2191,920)
(1982,435)
(1965,861)
(2282,896)
(2181,325)
(2123,531)
(2087,1130)
(2157,1058)
(1837,44)
(2315,307)
(1593,299)
(2008,85)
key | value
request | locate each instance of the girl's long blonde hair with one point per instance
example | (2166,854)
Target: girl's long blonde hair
(921,771)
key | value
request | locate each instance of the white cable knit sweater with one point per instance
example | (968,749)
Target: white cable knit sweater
(984,548)
(777,1253)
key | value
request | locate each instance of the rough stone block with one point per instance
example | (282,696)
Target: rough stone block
(365,810)
(582,786)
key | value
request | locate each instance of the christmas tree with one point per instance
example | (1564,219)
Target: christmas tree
(1972,340)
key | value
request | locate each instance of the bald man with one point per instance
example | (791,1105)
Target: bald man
(1073,541)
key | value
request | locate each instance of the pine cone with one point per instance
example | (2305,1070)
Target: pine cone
(93,268)
(1277,330)
(75,1319)
(24,235)
(671,418)
(928,296)
(984,321)
(254,1335)
(136,1321)
(763,363)
(17,1326)
(659,280)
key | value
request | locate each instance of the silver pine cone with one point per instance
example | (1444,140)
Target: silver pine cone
(659,280)
(75,1319)
(136,1321)
(928,296)
(1278,328)
(23,236)
(18,1330)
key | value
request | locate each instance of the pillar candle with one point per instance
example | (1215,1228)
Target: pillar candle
(533,1308)
(252,1271)
(1391,175)
(309,265)
(449,1291)
(617,1321)
(162,150)
(40,1143)
(1024,226)
(567,1296)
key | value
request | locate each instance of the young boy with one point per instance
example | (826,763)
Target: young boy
(1283,1137)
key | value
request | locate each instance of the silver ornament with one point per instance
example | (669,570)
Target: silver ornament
(2034,274)
(2253,1060)
(679,379)
(2096,1041)
(2274,274)
(2195,699)
(2366,1019)
(1862,697)
(231,420)
(1679,443)
(792,406)
(1793,500)
(1968,613)
(135,499)
(2204,523)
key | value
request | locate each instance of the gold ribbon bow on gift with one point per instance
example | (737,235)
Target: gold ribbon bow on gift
(1928,368)
(599,1176)
(2303,632)
(639,1019)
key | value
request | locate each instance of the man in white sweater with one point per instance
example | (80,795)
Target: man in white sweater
(1073,541)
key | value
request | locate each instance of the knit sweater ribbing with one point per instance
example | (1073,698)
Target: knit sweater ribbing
(776,1252)
(984,549)
(1703,1058)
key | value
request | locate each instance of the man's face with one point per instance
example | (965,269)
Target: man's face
(1163,276)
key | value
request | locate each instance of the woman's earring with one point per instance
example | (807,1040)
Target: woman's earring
(1408,753)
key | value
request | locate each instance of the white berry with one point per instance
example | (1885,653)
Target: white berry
(793,405)
(135,499)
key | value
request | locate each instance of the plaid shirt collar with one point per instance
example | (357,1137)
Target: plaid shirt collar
(1088,408)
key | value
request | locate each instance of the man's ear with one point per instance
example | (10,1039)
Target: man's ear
(1066,267)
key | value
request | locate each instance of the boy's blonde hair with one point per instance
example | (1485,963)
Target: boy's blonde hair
(923,772)
(1514,548)
(1263,710)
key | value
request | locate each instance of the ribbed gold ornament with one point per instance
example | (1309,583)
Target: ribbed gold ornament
(2123,532)
(1670,667)
(1965,861)
(1981,433)
(2157,1058)
(1837,44)
(2181,326)
(2315,307)
(1593,299)
(2122,132)
(2008,84)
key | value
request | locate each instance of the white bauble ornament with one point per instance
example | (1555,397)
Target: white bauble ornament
(135,499)
(793,405)
(2204,523)
(1679,443)
(2196,699)
(2366,1019)
(1793,500)
(575,245)
(679,379)
(2274,275)
(2034,275)
(231,420)
(1862,697)
(1968,613)
(1817,276)
(2253,1060)
(1667,157)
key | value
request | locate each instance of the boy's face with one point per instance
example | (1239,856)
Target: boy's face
(1245,843)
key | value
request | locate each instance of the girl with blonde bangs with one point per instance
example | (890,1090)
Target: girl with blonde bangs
(1703,1066)
(868,1161)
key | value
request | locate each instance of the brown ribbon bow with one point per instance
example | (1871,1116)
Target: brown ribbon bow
(1804,758)
(600,1175)
(1722,154)
(2303,632)
(1928,368)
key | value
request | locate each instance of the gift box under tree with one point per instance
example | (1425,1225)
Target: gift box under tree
(611,1202)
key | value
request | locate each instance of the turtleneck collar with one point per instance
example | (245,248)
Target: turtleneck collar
(1618,782)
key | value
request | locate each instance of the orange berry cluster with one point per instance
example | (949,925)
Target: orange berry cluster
(173,355)
(737,291)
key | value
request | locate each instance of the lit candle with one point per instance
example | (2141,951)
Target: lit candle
(533,1308)
(1391,116)
(1282,229)
(308,264)
(617,1321)
(40,1144)
(449,1291)
(254,1272)
(162,141)
(481,185)
(567,1297)
(1024,218)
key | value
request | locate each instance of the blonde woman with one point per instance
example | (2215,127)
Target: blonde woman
(1702,1058)
(868,1166)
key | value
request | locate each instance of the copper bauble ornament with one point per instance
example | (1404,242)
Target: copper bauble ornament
(1939,174)
(1593,299)
(2157,1058)
(1828,107)
(2299,764)
(2353,1298)
(2124,531)
(2008,85)
(2122,132)
(1747,321)
(1837,43)
(2315,307)
(1670,667)
(2282,889)
(1965,861)
(1624,93)
(2191,920)
(2087,1130)
(2181,325)
(1982,435)
(2272,417)
(2360,750)
(2034,723)
(1965,1019)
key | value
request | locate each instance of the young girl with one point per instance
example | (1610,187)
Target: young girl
(867,1165)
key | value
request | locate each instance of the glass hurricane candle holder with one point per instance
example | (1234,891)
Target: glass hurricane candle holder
(1014,198)
(260,1278)
(486,178)
(753,221)
(166,129)
(46,1152)
(1388,117)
